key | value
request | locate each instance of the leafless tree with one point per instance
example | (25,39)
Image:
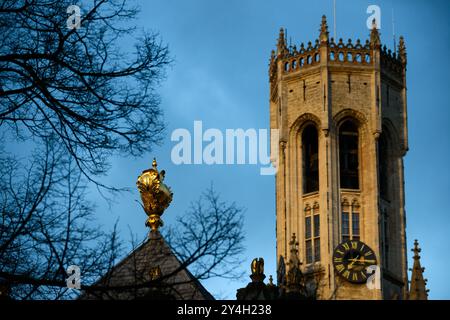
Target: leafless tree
(207,241)
(79,84)
(47,224)
(209,237)
(80,95)
(37,246)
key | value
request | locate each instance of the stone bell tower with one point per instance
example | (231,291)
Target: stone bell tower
(340,109)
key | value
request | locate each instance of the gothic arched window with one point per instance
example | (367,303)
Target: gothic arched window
(348,155)
(310,151)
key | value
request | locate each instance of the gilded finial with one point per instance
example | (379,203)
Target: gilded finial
(155,195)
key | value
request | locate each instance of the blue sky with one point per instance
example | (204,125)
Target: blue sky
(220,76)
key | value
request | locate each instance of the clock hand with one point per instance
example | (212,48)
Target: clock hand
(350,265)
(368,261)
(362,260)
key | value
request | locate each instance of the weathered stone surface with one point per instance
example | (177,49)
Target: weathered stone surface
(324,93)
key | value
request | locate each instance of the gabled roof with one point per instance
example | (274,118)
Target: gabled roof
(152,260)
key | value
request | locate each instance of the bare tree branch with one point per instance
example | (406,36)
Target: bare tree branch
(79,84)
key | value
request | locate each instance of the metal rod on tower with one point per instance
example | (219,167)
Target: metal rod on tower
(393,29)
(334,19)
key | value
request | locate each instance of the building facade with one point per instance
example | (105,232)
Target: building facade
(340,109)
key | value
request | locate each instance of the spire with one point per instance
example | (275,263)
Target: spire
(323,30)
(281,46)
(417,290)
(375,35)
(294,275)
(402,50)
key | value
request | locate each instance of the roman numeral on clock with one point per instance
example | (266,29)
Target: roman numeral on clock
(340,267)
(338,260)
(368,253)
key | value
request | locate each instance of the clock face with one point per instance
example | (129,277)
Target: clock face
(351,259)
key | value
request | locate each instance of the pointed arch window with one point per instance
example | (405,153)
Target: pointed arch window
(310,152)
(348,155)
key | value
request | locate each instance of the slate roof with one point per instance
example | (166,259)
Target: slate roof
(137,268)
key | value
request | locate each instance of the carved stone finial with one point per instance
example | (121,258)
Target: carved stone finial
(416,250)
(402,50)
(294,277)
(272,63)
(271,281)
(374,23)
(272,55)
(324,30)
(281,45)
(375,35)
